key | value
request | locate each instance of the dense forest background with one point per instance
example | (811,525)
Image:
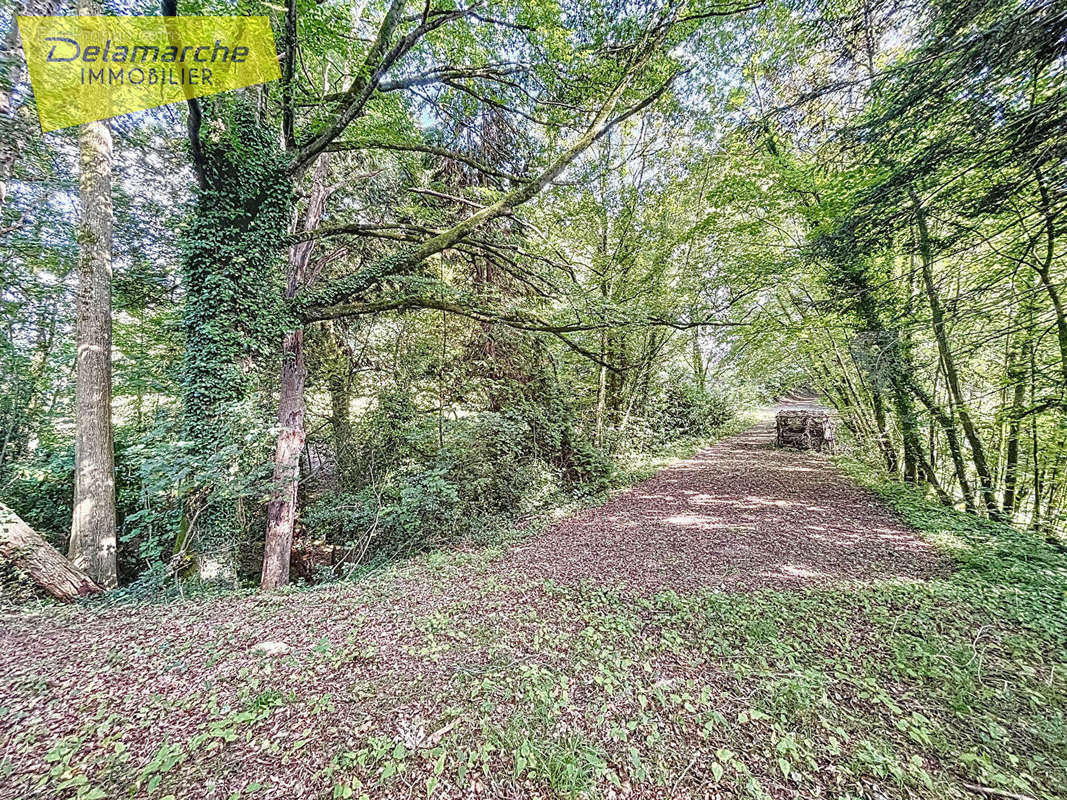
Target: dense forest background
(480,254)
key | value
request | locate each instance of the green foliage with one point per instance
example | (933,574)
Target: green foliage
(41,487)
(170,482)
(233,314)
(586,468)
(690,410)
(482,479)
(542,403)
(230,260)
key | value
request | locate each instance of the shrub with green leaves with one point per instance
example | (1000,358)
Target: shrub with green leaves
(484,475)
(691,410)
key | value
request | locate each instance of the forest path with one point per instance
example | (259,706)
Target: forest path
(740,514)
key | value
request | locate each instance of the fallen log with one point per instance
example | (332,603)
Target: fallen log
(23,546)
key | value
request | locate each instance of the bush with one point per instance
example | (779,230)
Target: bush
(586,468)
(489,458)
(40,489)
(689,410)
(482,479)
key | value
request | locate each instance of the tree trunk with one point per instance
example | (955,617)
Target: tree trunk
(700,368)
(1044,271)
(1017,383)
(601,391)
(616,379)
(848,393)
(985,479)
(1035,452)
(233,303)
(92,533)
(281,511)
(909,432)
(872,323)
(952,436)
(31,554)
(885,441)
(341,427)
(1058,451)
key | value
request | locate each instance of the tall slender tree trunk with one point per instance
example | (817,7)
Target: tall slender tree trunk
(952,380)
(909,433)
(700,368)
(282,509)
(605,293)
(92,532)
(885,442)
(846,400)
(1011,455)
(871,323)
(639,386)
(281,512)
(952,436)
(1035,453)
(1058,453)
(1044,270)
(850,395)
(916,464)
(601,391)
(341,426)
(1018,363)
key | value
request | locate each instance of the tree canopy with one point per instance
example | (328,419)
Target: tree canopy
(465,256)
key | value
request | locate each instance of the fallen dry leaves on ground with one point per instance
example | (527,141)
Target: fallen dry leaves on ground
(740,515)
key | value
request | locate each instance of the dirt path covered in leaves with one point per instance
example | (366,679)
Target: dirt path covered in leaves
(598,659)
(742,514)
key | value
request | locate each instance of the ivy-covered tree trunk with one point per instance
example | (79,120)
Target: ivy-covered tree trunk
(92,532)
(233,314)
(894,352)
(885,441)
(281,512)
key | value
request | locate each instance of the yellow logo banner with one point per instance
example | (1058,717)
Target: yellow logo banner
(87,68)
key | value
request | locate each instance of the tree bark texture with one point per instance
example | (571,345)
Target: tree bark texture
(281,511)
(92,533)
(23,546)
